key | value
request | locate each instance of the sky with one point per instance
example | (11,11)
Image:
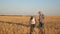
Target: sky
(30,7)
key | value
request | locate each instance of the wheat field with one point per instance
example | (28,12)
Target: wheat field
(20,25)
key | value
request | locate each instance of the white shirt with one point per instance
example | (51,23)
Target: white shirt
(33,21)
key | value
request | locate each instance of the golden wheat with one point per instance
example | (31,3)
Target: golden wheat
(19,25)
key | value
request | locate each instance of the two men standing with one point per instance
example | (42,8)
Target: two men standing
(41,24)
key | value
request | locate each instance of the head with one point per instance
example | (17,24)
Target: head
(40,12)
(31,18)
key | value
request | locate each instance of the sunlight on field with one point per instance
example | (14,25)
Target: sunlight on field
(19,25)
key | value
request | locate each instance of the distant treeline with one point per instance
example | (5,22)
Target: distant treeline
(18,15)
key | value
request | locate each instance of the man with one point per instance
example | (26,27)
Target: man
(41,24)
(41,18)
(32,23)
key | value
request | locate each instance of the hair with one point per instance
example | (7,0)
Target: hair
(31,18)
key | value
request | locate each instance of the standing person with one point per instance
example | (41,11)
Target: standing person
(32,23)
(41,24)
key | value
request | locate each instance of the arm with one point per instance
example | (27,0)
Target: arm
(43,16)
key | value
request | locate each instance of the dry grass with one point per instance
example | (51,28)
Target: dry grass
(20,25)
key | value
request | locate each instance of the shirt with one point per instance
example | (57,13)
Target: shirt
(41,18)
(33,21)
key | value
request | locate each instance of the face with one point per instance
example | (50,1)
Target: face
(40,12)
